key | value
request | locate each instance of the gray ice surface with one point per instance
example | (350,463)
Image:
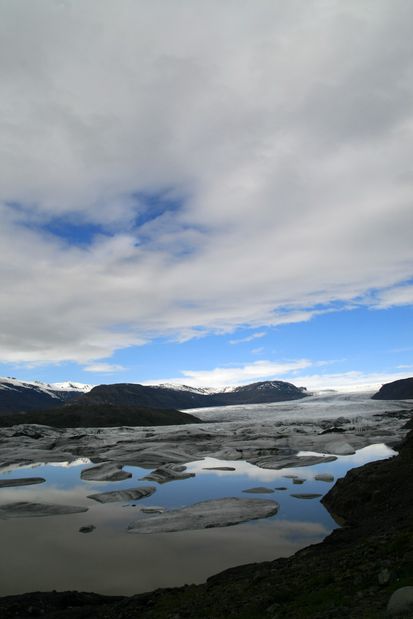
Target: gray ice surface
(205,515)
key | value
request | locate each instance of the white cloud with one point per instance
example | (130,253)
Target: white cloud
(290,371)
(227,376)
(348,381)
(257,351)
(291,155)
(398,295)
(248,338)
(108,368)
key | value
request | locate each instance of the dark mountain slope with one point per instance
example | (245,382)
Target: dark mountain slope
(78,415)
(16,396)
(266,391)
(397,390)
(130,394)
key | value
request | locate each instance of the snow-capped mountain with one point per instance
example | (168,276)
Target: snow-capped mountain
(17,395)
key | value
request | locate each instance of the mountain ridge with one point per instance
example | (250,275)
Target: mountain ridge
(133,394)
(18,395)
(25,396)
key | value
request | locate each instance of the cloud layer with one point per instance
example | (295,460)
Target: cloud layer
(232,165)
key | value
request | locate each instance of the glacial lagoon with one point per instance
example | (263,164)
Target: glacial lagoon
(48,553)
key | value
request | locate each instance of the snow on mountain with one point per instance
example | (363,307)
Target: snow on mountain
(177,387)
(9,382)
(20,395)
(12,384)
(71,386)
(275,385)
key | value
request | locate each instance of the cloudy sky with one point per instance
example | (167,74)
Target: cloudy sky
(207,192)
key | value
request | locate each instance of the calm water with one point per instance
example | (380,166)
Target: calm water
(50,553)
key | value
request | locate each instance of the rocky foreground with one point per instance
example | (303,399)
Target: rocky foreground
(360,571)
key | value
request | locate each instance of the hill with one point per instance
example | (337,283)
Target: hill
(78,415)
(396,390)
(181,397)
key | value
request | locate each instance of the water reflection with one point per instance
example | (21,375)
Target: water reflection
(50,553)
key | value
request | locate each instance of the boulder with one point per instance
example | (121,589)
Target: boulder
(401,603)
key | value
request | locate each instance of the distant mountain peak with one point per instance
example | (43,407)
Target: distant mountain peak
(184,396)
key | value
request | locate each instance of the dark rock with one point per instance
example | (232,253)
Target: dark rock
(396,390)
(380,494)
(87,529)
(401,603)
(219,468)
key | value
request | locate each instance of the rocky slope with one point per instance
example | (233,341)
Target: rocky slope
(397,390)
(353,573)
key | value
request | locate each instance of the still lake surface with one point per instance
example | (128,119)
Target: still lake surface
(50,553)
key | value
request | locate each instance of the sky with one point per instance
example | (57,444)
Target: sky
(208,193)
